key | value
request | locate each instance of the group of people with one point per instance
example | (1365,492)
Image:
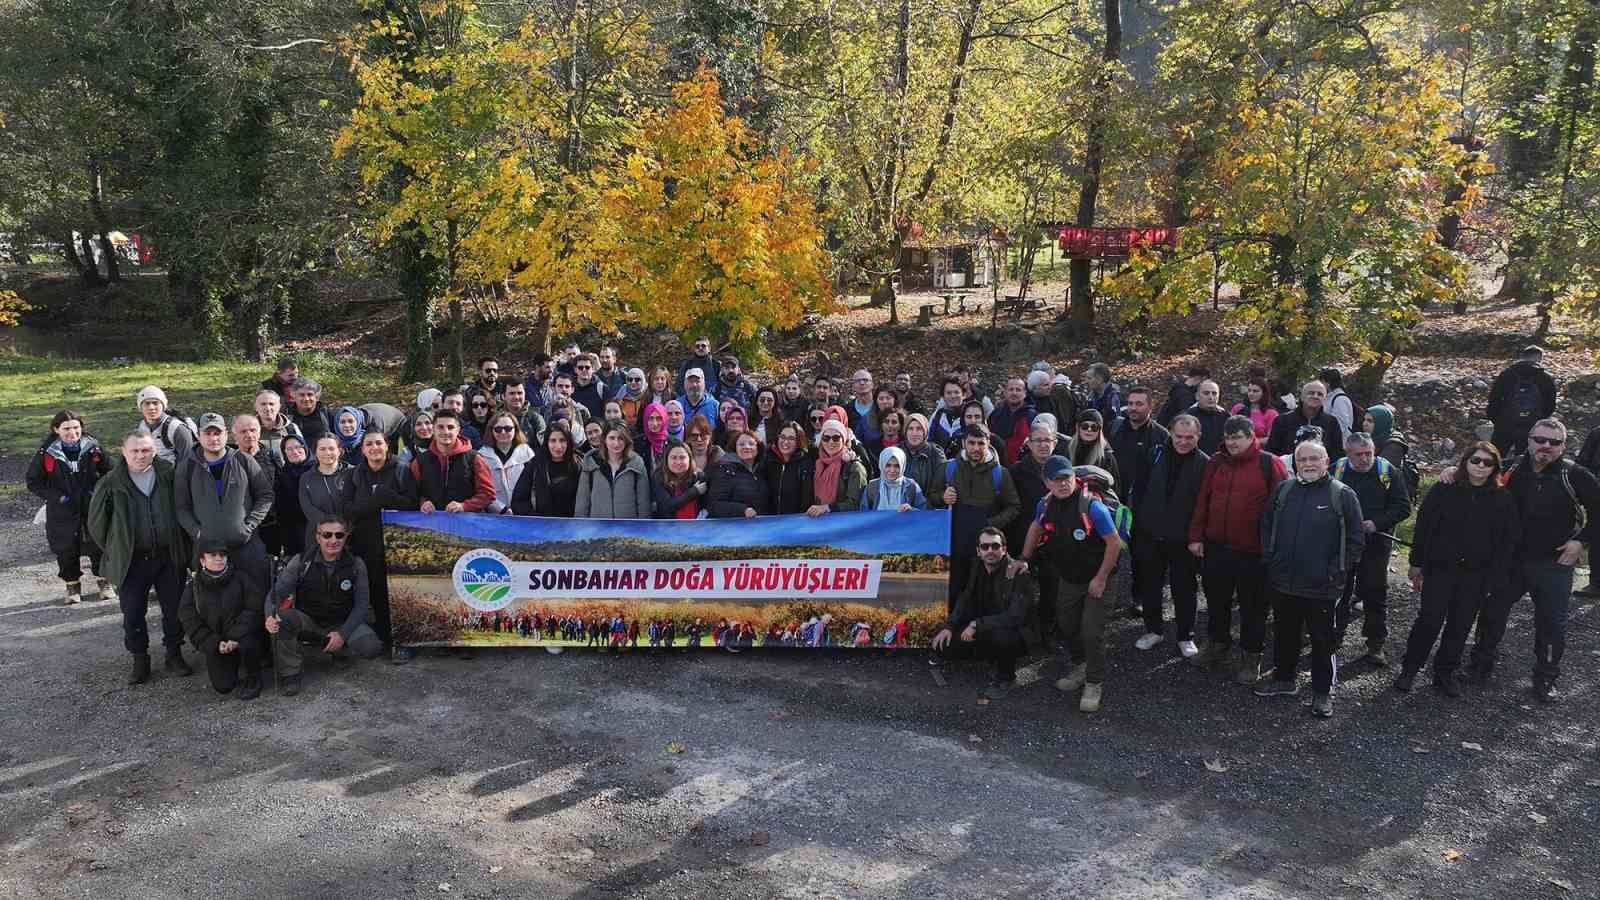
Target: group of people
(261,537)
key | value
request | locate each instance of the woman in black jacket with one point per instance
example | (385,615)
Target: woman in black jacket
(549,485)
(297,462)
(1465,535)
(63,474)
(375,484)
(678,490)
(221,612)
(739,487)
(789,470)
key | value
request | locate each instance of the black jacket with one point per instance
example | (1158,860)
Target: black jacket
(995,602)
(1281,440)
(1132,447)
(366,494)
(1502,395)
(1179,398)
(217,609)
(1545,509)
(789,483)
(667,503)
(545,489)
(1211,422)
(1164,505)
(319,422)
(1460,526)
(1028,476)
(1384,505)
(1302,546)
(735,488)
(926,467)
(66,493)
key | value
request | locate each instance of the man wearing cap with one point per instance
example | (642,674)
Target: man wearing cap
(224,494)
(321,600)
(134,519)
(695,401)
(989,615)
(283,379)
(732,386)
(1078,534)
(174,437)
(275,426)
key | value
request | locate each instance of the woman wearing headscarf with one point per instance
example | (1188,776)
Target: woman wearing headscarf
(675,421)
(350,423)
(1089,446)
(653,437)
(1379,425)
(420,436)
(297,461)
(924,460)
(892,490)
(837,480)
(856,450)
(631,397)
(732,421)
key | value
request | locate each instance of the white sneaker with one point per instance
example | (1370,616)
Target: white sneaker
(1188,649)
(1090,701)
(1149,640)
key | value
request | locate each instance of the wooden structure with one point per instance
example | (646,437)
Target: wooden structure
(1113,243)
(950,263)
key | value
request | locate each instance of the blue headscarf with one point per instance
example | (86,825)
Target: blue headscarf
(349,444)
(891,493)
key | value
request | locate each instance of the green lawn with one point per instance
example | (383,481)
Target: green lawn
(34,388)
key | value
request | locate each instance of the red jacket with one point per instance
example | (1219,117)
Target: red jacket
(482,480)
(1233,495)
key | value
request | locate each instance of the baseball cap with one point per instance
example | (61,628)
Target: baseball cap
(694,373)
(1057,467)
(213,420)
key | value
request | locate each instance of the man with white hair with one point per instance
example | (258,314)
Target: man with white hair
(1311,536)
(275,425)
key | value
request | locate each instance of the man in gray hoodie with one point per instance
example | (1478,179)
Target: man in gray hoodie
(225,494)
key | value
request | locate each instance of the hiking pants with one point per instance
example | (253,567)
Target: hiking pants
(1082,622)
(1292,615)
(1161,561)
(1232,575)
(1451,599)
(300,634)
(1550,586)
(1367,581)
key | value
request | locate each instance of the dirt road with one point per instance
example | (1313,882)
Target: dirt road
(761,775)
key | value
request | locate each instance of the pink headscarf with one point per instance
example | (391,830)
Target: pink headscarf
(657,439)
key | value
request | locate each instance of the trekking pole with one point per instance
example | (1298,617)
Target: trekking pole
(1395,539)
(272,580)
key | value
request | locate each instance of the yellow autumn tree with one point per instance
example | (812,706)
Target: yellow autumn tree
(707,231)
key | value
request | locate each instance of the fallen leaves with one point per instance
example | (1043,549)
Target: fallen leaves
(1469,745)
(1452,855)
(674,747)
(1216,765)
(1538,819)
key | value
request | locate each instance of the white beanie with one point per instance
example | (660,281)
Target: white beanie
(151,392)
(428,398)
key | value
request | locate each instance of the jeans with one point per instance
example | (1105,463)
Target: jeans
(1161,561)
(1451,599)
(1232,575)
(146,571)
(1368,581)
(1293,615)
(1550,585)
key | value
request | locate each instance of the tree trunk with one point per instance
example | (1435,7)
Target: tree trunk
(256,317)
(1081,312)
(457,319)
(89,274)
(91,269)
(418,277)
(97,208)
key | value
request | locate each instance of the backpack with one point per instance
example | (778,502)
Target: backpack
(1579,514)
(1526,401)
(1280,499)
(1097,486)
(950,473)
(176,417)
(1385,470)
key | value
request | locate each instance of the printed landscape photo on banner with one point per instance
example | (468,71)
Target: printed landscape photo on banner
(867,580)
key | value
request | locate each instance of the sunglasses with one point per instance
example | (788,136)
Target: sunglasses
(1088,426)
(503,429)
(635,380)
(491,371)
(331,535)
(817,420)
(832,439)
(990,545)
(480,405)
(584,368)
(1547,442)
(1480,461)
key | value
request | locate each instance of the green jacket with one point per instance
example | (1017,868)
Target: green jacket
(111,519)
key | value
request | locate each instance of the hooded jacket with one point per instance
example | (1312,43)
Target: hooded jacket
(1233,495)
(235,514)
(65,485)
(1010,429)
(459,476)
(1310,547)
(505,473)
(272,435)
(111,519)
(995,602)
(604,494)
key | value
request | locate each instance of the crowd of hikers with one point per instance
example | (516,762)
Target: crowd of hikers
(260,536)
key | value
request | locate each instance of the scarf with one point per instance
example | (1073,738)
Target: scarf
(830,467)
(674,433)
(1382,423)
(891,493)
(353,441)
(657,439)
(625,393)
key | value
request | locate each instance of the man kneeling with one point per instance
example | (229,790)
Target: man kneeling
(990,612)
(321,600)
(220,611)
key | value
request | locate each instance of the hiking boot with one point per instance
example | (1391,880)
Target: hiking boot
(1213,654)
(998,690)
(1545,691)
(1272,687)
(1188,649)
(74,593)
(1322,706)
(1150,639)
(1405,682)
(1074,679)
(1447,686)
(291,685)
(1090,701)
(250,687)
(141,669)
(403,655)
(106,591)
(1249,669)
(176,664)
(1376,655)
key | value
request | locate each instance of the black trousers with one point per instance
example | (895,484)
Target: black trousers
(146,571)
(1293,615)
(1550,587)
(1000,646)
(1233,576)
(225,669)
(371,553)
(1162,561)
(69,563)
(960,573)
(1451,599)
(1368,582)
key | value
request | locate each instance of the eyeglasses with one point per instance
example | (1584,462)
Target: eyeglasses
(990,545)
(331,535)
(635,380)
(1547,441)
(504,429)
(1480,461)
(582,368)
(699,437)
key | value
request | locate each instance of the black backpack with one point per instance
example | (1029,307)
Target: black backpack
(1527,403)
(177,420)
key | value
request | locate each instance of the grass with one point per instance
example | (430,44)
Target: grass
(1406,529)
(35,388)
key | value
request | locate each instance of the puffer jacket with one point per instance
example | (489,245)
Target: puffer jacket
(925,466)
(505,473)
(221,608)
(1233,495)
(735,487)
(65,486)
(604,494)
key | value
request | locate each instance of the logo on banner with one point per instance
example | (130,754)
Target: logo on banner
(483,580)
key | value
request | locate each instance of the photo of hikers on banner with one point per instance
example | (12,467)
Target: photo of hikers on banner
(585,503)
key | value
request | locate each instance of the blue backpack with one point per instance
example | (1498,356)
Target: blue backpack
(950,472)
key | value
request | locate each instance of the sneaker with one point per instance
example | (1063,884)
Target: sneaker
(998,690)
(1322,706)
(1149,640)
(74,594)
(141,669)
(177,665)
(1447,686)
(1213,654)
(1272,687)
(1090,701)
(1249,669)
(1188,649)
(291,685)
(107,592)
(403,655)
(1074,679)
(250,687)
(1405,682)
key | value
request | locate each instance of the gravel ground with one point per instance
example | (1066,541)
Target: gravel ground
(710,776)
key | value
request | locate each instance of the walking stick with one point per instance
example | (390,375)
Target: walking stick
(1393,538)
(272,581)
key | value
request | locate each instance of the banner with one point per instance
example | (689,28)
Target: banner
(859,579)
